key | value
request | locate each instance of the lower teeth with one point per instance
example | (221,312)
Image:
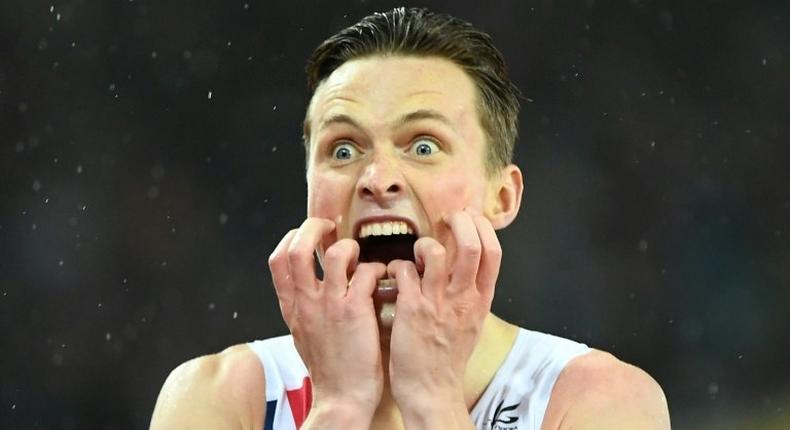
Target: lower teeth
(387,315)
(386,293)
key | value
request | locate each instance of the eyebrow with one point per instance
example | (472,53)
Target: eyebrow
(424,114)
(417,115)
(339,119)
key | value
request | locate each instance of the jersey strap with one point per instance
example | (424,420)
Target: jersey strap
(289,390)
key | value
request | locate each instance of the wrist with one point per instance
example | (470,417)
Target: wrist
(437,415)
(340,415)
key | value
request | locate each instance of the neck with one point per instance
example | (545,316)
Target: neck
(496,340)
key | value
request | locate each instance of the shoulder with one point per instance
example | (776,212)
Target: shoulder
(224,390)
(598,391)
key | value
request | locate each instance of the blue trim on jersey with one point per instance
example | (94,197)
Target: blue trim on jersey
(268,423)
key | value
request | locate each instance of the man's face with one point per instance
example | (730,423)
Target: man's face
(395,142)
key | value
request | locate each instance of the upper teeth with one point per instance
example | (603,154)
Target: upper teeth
(386,228)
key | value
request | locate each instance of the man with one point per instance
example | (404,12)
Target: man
(409,138)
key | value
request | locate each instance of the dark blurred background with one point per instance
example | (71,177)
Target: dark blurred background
(150,160)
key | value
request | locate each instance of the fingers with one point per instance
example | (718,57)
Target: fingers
(431,255)
(491,256)
(339,261)
(406,277)
(301,260)
(366,276)
(278,264)
(281,275)
(468,249)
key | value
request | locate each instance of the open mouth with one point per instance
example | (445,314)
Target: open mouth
(386,241)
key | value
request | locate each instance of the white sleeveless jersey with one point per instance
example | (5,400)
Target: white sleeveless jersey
(516,398)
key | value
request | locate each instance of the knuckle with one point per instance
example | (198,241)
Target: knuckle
(334,253)
(425,242)
(470,249)
(299,254)
(275,259)
(436,251)
(341,250)
(494,252)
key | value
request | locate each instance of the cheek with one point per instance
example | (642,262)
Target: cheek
(450,193)
(326,195)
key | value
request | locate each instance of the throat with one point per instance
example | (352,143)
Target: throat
(387,415)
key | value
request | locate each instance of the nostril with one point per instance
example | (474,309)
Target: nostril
(394,188)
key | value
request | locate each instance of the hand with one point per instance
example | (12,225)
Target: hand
(332,320)
(439,317)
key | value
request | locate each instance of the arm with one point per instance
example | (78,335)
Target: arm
(333,323)
(597,391)
(439,319)
(221,391)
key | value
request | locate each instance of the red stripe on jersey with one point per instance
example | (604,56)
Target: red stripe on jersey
(300,400)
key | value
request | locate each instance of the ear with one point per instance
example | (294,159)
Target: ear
(504,197)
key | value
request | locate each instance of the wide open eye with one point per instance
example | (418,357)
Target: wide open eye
(424,147)
(344,151)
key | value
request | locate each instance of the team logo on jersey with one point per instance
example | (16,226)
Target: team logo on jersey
(502,420)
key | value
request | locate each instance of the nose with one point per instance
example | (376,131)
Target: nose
(381,181)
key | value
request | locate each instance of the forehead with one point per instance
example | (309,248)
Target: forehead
(379,89)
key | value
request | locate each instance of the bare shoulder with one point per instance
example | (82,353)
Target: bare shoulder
(598,391)
(218,391)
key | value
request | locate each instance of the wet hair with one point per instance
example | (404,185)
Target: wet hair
(422,33)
